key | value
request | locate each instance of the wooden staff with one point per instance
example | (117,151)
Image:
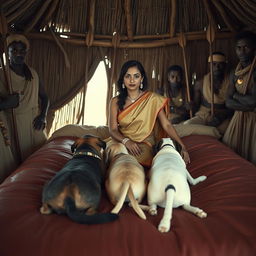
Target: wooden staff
(182,43)
(210,35)
(6,70)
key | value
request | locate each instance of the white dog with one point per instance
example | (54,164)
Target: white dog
(168,186)
(125,178)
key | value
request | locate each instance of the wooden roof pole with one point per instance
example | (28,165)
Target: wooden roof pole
(67,62)
(173,8)
(90,35)
(20,11)
(210,35)
(182,43)
(224,15)
(50,12)
(128,15)
(39,14)
(209,13)
(15,6)
(190,36)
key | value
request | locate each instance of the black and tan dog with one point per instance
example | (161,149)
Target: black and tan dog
(76,189)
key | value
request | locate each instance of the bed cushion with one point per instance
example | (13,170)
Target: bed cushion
(228,196)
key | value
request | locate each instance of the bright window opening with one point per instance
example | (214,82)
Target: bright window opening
(96,98)
(95,104)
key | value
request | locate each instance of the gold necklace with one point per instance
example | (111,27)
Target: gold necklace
(134,99)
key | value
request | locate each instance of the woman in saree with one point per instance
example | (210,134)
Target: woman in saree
(138,117)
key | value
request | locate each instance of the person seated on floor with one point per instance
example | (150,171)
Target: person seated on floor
(241,132)
(203,97)
(176,92)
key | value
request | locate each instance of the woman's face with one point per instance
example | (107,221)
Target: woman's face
(133,78)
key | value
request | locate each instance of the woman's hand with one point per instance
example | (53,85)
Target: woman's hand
(185,156)
(133,147)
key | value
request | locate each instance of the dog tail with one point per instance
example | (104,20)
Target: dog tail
(170,193)
(135,204)
(80,217)
(123,193)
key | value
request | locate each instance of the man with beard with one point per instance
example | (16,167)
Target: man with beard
(30,118)
(241,132)
(203,96)
(176,92)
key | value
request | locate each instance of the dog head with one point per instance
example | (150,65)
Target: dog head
(113,149)
(167,141)
(92,140)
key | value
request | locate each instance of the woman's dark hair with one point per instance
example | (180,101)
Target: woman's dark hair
(123,91)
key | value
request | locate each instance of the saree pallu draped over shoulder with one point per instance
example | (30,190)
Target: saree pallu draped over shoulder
(139,123)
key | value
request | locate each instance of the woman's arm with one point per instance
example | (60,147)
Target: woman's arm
(132,146)
(167,126)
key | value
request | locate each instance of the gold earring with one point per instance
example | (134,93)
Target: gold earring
(141,85)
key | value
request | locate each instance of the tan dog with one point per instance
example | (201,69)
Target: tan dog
(125,179)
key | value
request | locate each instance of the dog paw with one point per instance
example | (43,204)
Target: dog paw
(152,211)
(164,226)
(199,179)
(201,214)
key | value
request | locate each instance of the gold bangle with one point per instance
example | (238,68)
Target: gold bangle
(125,140)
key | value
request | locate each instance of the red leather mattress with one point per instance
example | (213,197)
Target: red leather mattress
(228,196)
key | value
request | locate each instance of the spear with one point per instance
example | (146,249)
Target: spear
(6,70)
(210,35)
(182,43)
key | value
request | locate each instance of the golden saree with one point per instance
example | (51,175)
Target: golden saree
(139,123)
(241,132)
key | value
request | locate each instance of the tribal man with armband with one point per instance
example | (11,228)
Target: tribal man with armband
(203,96)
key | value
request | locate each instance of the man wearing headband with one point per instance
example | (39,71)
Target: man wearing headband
(203,96)
(30,117)
(241,132)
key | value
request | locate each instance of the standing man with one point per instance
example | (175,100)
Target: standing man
(30,116)
(203,97)
(241,132)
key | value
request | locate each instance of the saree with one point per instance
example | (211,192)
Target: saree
(139,123)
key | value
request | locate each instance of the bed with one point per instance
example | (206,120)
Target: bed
(228,196)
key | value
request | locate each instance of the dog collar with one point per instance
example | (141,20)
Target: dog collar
(88,153)
(167,145)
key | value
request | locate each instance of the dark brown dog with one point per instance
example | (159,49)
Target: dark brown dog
(76,189)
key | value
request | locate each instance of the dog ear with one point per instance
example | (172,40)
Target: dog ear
(157,146)
(177,146)
(73,147)
(106,156)
(76,144)
(102,144)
